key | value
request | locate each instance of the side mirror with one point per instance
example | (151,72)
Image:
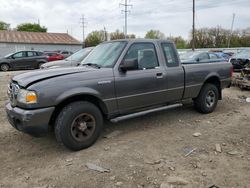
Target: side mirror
(197,59)
(12,57)
(129,64)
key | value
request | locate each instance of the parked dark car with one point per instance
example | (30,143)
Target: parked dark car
(240,59)
(118,80)
(200,57)
(53,56)
(72,60)
(23,60)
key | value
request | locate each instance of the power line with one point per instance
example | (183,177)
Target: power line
(125,5)
(83,22)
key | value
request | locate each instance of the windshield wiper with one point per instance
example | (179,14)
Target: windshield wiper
(92,65)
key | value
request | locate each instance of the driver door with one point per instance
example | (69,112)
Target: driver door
(19,59)
(144,86)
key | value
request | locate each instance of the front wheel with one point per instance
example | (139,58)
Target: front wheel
(4,67)
(207,99)
(78,125)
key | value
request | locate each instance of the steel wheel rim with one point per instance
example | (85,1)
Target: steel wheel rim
(210,99)
(83,127)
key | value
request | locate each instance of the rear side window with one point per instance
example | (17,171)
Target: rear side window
(39,53)
(170,55)
(31,54)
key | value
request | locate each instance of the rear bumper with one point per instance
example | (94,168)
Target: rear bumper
(33,122)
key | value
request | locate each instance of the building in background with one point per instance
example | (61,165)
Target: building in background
(12,41)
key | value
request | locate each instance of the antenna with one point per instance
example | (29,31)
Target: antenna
(125,5)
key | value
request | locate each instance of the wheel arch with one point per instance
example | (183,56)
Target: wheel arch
(78,97)
(214,79)
(7,63)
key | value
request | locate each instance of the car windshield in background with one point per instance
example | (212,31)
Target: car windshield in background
(8,55)
(79,54)
(244,54)
(105,55)
(188,56)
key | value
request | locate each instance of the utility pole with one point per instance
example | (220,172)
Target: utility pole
(193,31)
(83,22)
(126,5)
(105,34)
(231,32)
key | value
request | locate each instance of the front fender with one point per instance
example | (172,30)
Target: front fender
(75,92)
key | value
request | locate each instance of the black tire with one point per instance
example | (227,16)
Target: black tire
(4,67)
(39,65)
(207,99)
(67,125)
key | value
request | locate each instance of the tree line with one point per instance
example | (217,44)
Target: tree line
(204,38)
(215,37)
(32,27)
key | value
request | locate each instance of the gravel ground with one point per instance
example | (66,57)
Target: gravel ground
(157,150)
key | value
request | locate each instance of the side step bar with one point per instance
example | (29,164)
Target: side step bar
(137,114)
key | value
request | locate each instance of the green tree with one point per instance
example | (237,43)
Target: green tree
(4,26)
(131,36)
(31,27)
(117,35)
(179,42)
(94,38)
(154,34)
(120,35)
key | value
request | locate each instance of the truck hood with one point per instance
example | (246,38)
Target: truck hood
(29,78)
(59,63)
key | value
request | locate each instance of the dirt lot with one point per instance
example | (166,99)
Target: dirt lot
(148,151)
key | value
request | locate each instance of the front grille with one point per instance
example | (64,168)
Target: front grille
(12,92)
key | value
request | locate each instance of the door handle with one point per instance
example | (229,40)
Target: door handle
(159,75)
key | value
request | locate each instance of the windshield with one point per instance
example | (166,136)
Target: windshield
(105,54)
(79,55)
(8,55)
(244,54)
(188,56)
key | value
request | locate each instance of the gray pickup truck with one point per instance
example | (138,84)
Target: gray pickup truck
(118,80)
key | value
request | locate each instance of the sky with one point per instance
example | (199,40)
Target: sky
(172,17)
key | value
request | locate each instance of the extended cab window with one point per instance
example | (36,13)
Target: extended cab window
(170,55)
(145,55)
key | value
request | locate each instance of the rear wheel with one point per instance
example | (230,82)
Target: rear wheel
(4,67)
(78,125)
(207,99)
(39,65)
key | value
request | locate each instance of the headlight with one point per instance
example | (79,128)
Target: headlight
(26,97)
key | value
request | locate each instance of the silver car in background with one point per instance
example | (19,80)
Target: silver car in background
(71,61)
